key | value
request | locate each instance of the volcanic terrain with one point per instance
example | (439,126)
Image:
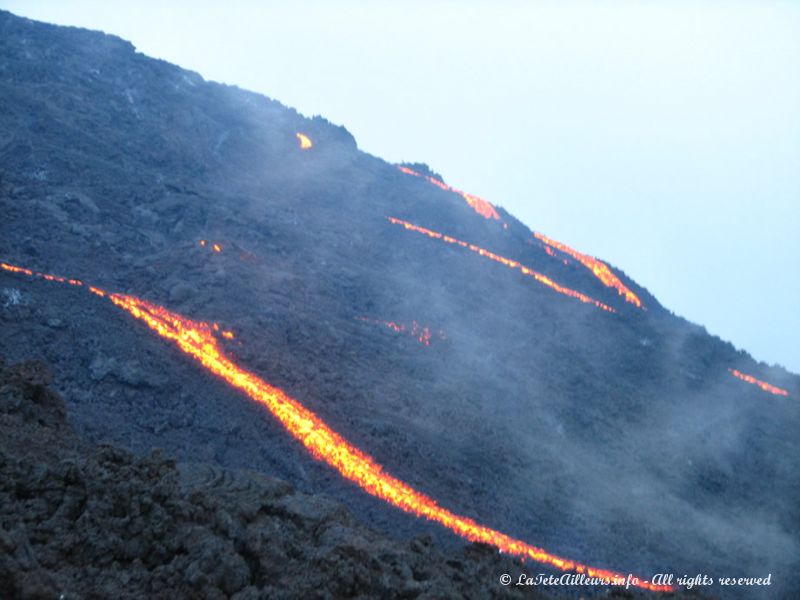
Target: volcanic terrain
(165,238)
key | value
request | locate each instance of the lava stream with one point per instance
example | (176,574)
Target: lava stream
(197,340)
(543,279)
(487,210)
(479,205)
(600,269)
(305,141)
(767,387)
(46,276)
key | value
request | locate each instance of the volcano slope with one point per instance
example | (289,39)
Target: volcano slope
(619,438)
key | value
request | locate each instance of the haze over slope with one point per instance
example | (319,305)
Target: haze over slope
(676,161)
(617,437)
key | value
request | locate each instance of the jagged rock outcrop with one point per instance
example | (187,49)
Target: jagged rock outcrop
(79,521)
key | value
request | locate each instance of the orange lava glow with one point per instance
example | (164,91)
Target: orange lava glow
(216,246)
(196,339)
(305,141)
(53,278)
(543,279)
(600,269)
(45,276)
(767,387)
(422,334)
(479,205)
(228,335)
(14,269)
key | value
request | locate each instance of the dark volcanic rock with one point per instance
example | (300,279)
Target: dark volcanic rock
(98,522)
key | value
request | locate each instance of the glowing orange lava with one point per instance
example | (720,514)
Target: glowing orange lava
(197,340)
(15,269)
(600,269)
(45,276)
(543,279)
(479,205)
(228,335)
(216,246)
(422,334)
(305,141)
(767,387)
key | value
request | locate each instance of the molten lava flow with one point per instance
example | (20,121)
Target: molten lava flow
(422,334)
(600,269)
(767,387)
(479,205)
(197,340)
(15,269)
(45,276)
(543,279)
(305,141)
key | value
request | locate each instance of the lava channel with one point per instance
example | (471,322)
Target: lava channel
(196,339)
(479,205)
(600,269)
(543,279)
(767,387)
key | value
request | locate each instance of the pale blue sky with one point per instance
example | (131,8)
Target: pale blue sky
(661,136)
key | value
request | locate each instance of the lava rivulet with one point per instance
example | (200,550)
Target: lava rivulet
(600,269)
(305,141)
(197,340)
(479,205)
(422,334)
(45,276)
(487,210)
(543,279)
(325,444)
(767,387)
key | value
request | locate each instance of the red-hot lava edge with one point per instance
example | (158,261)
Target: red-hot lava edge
(422,334)
(483,207)
(767,387)
(543,279)
(486,209)
(197,340)
(600,269)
